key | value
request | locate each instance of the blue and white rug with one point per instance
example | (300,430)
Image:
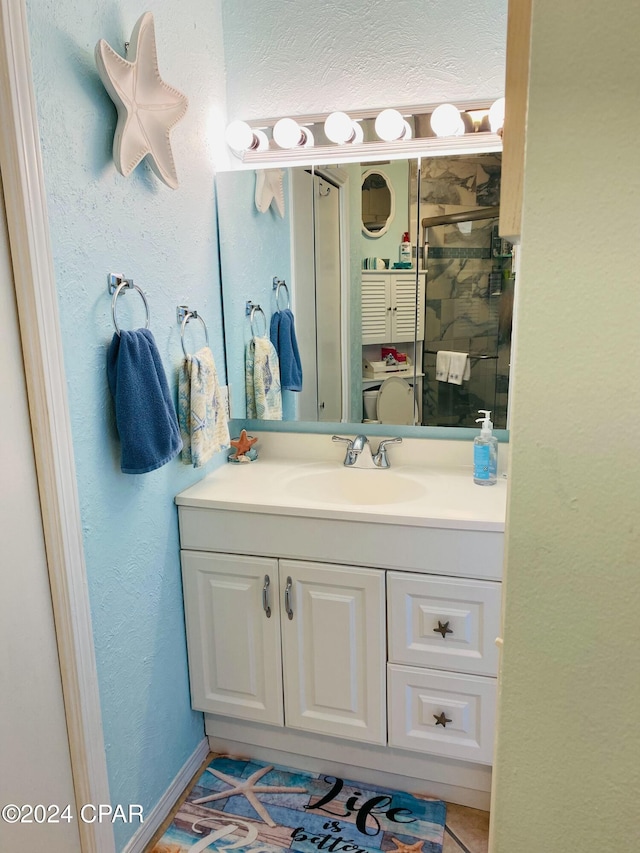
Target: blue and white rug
(245,805)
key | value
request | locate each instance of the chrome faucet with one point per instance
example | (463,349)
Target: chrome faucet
(359,453)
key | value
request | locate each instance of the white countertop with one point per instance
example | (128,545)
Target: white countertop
(436,491)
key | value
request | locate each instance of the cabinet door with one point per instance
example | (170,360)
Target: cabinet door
(515,121)
(403,307)
(376,309)
(333,642)
(235,663)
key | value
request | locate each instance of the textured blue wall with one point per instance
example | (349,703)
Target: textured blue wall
(166,241)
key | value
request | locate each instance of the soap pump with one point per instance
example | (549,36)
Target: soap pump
(485,452)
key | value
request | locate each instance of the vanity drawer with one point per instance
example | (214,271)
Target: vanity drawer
(442,622)
(419,697)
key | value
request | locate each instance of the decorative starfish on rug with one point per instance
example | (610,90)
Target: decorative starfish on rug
(147,107)
(243,443)
(249,789)
(406,848)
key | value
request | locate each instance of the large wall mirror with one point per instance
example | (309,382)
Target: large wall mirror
(374,331)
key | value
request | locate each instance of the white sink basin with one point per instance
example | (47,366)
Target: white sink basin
(354,486)
(409,495)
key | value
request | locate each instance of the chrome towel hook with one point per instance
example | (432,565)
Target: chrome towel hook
(116,284)
(184,315)
(251,309)
(277,284)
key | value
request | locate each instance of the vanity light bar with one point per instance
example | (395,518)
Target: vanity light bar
(447,121)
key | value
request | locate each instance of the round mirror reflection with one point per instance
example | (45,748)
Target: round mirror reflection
(378,203)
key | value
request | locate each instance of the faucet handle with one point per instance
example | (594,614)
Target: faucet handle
(341,438)
(387,441)
(380,459)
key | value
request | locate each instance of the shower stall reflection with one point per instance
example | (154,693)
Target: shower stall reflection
(469,289)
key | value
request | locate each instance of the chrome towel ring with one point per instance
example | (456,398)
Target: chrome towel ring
(118,283)
(184,315)
(277,284)
(251,310)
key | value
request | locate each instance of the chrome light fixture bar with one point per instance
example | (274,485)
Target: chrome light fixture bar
(366,152)
(435,130)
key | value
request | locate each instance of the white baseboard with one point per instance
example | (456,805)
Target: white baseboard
(154,820)
(453,781)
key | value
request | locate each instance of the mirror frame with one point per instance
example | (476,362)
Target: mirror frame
(324,155)
(392,204)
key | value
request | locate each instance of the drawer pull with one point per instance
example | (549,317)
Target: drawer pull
(443,628)
(441,720)
(287,599)
(265,596)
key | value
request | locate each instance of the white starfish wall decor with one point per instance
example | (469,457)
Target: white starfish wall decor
(148,108)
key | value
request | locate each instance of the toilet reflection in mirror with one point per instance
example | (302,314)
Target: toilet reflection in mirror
(359,323)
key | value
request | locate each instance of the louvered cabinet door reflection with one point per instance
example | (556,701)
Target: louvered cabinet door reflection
(233,635)
(403,307)
(376,309)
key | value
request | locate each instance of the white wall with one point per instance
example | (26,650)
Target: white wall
(302,56)
(567,771)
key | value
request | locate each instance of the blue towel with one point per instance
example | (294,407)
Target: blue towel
(145,414)
(283,338)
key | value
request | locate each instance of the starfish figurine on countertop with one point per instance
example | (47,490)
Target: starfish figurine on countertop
(249,789)
(148,108)
(243,443)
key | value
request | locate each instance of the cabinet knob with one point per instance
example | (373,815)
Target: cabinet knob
(265,596)
(443,628)
(287,598)
(441,719)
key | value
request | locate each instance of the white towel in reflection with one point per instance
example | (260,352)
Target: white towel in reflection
(262,379)
(459,367)
(443,361)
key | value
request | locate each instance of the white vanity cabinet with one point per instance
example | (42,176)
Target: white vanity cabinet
(358,638)
(389,306)
(260,629)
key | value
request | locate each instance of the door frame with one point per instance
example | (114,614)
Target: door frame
(340,177)
(36,295)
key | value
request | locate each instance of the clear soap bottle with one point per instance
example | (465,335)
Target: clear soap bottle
(485,452)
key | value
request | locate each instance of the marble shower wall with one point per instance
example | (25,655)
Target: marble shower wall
(469,290)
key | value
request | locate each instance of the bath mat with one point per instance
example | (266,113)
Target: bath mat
(243,805)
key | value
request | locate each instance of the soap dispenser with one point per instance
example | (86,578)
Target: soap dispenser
(485,452)
(405,249)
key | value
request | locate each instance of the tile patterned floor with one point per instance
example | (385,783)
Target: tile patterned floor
(466,830)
